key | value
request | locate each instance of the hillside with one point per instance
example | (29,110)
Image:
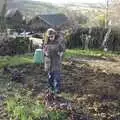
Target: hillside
(31,8)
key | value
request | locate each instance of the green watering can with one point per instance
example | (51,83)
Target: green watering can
(39,56)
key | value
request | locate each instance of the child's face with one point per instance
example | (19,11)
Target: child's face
(52,37)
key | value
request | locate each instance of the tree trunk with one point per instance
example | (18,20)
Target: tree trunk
(87,40)
(106,38)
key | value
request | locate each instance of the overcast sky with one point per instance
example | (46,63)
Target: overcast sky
(73,1)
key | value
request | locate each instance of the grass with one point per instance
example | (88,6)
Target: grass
(28,58)
(16,60)
(26,108)
(88,53)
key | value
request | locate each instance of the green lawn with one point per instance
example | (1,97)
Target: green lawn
(16,60)
(28,58)
(88,53)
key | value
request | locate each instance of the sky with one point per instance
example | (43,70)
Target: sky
(72,1)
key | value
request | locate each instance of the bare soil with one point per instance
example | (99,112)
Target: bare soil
(92,85)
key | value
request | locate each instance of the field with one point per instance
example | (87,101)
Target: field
(90,88)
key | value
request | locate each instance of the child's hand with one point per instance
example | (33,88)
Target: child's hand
(45,50)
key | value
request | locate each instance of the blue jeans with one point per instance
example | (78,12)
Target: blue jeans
(54,81)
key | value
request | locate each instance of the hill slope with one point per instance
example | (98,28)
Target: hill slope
(31,8)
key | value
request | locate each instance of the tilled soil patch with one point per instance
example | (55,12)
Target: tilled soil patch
(92,91)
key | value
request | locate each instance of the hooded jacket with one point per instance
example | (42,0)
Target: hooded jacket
(53,57)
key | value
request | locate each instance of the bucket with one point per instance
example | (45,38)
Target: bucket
(39,56)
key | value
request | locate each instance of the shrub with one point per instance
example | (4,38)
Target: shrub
(95,35)
(13,46)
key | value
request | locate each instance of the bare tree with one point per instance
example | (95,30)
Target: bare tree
(107,25)
(3,26)
(106,13)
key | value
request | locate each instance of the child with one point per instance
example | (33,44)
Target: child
(54,49)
